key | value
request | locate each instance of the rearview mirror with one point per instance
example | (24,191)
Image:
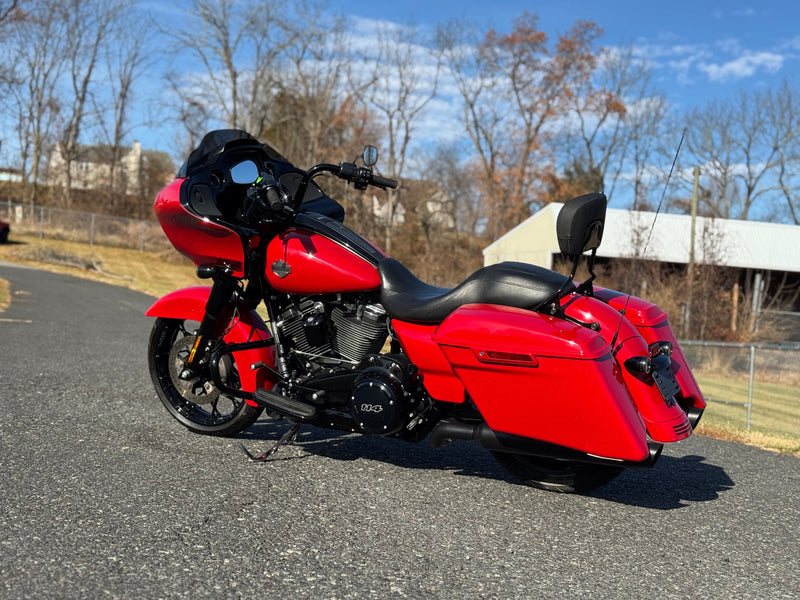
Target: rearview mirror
(245,172)
(370,155)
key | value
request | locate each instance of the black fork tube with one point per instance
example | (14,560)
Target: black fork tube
(221,291)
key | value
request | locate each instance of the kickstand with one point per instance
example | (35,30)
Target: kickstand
(286,438)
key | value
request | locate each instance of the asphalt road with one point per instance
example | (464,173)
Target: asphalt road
(103,495)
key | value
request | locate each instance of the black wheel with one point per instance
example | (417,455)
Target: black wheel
(555,475)
(197,404)
(3,235)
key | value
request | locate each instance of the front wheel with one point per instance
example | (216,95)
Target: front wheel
(556,475)
(197,404)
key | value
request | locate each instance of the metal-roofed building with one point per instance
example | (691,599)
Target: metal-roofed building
(741,244)
(754,247)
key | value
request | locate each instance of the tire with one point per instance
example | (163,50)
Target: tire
(197,404)
(3,235)
(556,475)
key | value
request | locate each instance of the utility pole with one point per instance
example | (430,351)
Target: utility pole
(690,270)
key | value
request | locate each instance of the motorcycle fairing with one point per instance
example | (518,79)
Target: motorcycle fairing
(241,324)
(206,242)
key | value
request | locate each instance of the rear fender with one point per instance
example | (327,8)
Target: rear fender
(653,325)
(241,322)
(666,422)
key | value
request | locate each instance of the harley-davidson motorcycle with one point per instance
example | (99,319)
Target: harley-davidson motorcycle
(565,383)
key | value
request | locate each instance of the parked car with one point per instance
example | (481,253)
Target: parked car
(4,229)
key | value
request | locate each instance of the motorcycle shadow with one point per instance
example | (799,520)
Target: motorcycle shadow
(674,482)
(460,458)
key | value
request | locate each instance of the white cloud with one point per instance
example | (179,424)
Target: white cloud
(743,66)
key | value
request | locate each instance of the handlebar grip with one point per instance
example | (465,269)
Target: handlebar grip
(383,181)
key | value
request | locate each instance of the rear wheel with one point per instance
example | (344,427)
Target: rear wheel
(556,475)
(197,404)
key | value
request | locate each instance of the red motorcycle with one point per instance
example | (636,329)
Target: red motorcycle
(566,384)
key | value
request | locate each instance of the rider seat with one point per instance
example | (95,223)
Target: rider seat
(513,284)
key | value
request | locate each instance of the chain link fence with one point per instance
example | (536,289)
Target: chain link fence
(756,385)
(89,228)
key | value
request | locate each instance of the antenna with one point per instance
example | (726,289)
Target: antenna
(650,233)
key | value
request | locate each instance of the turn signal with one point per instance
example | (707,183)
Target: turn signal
(638,364)
(664,348)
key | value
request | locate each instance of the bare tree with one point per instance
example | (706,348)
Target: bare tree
(402,79)
(515,87)
(7,10)
(310,104)
(784,115)
(747,149)
(484,105)
(91,25)
(126,60)
(614,128)
(237,44)
(457,178)
(37,47)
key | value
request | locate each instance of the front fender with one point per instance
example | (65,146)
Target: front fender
(187,303)
(241,323)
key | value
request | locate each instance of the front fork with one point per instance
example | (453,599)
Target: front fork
(223,287)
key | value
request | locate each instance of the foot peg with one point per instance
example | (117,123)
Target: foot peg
(284,405)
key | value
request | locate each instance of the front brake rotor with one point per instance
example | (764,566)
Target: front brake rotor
(196,390)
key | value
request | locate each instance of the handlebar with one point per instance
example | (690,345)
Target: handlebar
(383,182)
(360,177)
(266,194)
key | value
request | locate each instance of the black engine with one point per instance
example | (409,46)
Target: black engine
(338,368)
(343,330)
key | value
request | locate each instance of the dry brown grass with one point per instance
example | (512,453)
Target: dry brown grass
(149,272)
(5,296)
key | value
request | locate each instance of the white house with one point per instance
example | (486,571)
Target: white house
(91,168)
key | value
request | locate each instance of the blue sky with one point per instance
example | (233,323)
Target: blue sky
(700,49)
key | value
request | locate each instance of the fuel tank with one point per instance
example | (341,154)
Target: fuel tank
(301,261)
